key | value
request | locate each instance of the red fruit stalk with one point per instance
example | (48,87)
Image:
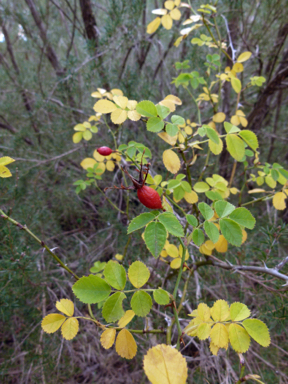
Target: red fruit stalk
(149,197)
(104,151)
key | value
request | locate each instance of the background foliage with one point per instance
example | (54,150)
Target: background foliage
(49,65)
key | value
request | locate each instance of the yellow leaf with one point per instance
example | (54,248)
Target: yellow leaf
(128,316)
(167,138)
(4,172)
(163,253)
(279,201)
(220,310)
(235,120)
(167,22)
(97,95)
(209,245)
(169,4)
(203,331)
(173,99)
(125,344)
(244,56)
(110,165)
(88,163)
(236,84)
(77,137)
(117,92)
(238,67)
(116,156)
(108,337)
(203,312)
(219,117)
(169,104)
(118,116)
(176,263)
(256,190)
(216,149)
(51,323)
(100,169)
(204,250)
(171,161)
(104,106)
(6,160)
(118,257)
(239,338)
(134,115)
(243,121)
(188,130)
(65,306)
(70,328)
(163,364)
(234,190)
(132,104)
(172,250)
(244,236)
(175,14)
(159,11)
(214,350)
(192,327)
(178,41)
(270,181)
(99,157)
(222,245)
(153,26)
(122,101)
(219,335)
(191,197)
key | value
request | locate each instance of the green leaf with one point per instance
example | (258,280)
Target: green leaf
(211,231)
(223,208)
(212,134)
(155,238)
(171,224)
(239,311)
(162,111)
(141,303)
(178,120)
(172,129)
(112,308)
(239,338)
(231,231)
(140,222)
(186,186)
(201,186)
(250,138)
(284,173)
(87,135)
(155,124)
(258,331)
(97,267)
(275,174)
(198,237)
(243,217)
(178,193)
(192,220)
(91,289)
(173,184)
(235,147)
(146,108)
(230,128)
(213,195)
(138,274)
(207,212)
(161,297)
(115,275)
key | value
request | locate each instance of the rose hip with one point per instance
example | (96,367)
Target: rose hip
(104,151)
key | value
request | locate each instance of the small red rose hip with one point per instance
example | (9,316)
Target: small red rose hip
(149,197)
(104,151)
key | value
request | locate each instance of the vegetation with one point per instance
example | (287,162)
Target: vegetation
(193,99)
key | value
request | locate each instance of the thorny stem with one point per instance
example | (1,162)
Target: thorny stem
(219,68)
(211,34)
(187,168)
(233,173)
(256,200)
(107,198)
(198,109)
(24,227)
(205,165)
(176,205)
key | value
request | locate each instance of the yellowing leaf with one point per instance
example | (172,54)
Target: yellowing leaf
(214,350)
(239,338)
(134,115)
(125,344)
(77,137)
(203,312)
(239,311)
(171,161)
(220,310)
(118,257)
(70,328)
(108,337)
(235,120)
(222,245)
(219,117)
(172,250)
(216,149)
(173,99)
(244,56)
(163,364)
(6,160)
(51,323)
(235,146)
(219,335)
(191,197)
(100,169)
(203,331)
(4,172)
(104,106)
(153,26)
(204,250)
(279,201)
(175,14)
(238,67)
(244,236)
(176,263)
(128,316)
(122,101)
(138,274)
(169,4)
(65,306)
(88,163)
(236,84)
(169,139)
(167,22)
(256,190)
(258,331)
(110,165)
(118,116)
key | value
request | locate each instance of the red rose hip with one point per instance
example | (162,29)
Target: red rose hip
(104,151)
(149,197)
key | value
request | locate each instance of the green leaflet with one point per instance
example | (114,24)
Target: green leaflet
(141,303)
(192,220)
(91,289)
(223,208)
(112,308)
(171,224)
(138,274)
(211,231)
(115,275)
(243,217)
(231,231)
(140,221)
(161,297)
(235,147)
(198,236)
(155,124)
(146,108)
(155,238)
(206,211)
